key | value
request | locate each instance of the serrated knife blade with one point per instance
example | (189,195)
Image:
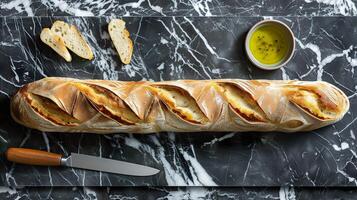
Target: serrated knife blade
(75,160)
(107,165)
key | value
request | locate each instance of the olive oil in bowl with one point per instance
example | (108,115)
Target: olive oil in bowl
(270,44)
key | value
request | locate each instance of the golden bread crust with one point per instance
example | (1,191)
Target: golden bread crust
(72,105)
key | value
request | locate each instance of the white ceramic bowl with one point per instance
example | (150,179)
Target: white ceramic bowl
(289,36)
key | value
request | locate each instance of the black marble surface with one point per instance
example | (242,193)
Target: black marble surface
(178,7)
(177,193)
(171,42)
(188,48)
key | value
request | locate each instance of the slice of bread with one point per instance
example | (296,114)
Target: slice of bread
(56,43)
(121,39)
(73,39)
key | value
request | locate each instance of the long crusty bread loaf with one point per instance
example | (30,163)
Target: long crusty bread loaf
(100,106)
(121,39)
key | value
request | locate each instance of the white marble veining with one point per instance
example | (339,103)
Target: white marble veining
(183,47)
(204,8)
(342,7)
(170,42)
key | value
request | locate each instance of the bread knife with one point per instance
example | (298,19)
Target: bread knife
(44,158)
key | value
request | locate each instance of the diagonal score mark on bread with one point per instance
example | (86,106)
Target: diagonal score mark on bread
(49,110)
(242,102)
(82,108)
(108,103)
(292,124)
(314,102)
(181,103)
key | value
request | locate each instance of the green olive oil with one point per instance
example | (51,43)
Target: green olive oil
(269,44)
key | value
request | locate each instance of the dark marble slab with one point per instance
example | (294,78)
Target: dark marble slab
(178,7)
(177,48)
(176,193)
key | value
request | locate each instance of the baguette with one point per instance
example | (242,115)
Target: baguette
(121,39)
(101,106)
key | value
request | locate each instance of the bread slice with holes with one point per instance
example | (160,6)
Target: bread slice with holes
(56,43)
(121,39)
(73,39)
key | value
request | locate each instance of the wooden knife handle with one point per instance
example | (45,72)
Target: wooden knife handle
(33,157)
